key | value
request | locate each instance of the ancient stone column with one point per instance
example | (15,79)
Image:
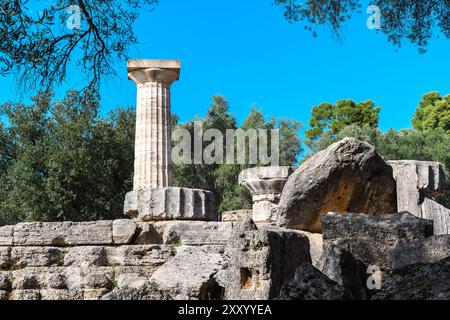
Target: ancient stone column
(153,197)
(418,183)
(265,185)
(153,79)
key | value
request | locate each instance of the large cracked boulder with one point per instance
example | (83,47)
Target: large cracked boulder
(348,176)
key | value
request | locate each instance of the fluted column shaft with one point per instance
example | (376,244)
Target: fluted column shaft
(152,164)
(152,145)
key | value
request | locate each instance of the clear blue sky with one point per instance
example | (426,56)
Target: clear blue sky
(248,52)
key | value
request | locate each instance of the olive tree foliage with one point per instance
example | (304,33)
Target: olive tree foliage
(39,44)
(413,21)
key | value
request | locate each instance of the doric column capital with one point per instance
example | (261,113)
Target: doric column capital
(265,181)
(143,71)
(265,185)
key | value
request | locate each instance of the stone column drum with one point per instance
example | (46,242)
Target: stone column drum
(418,183)
(153,197)
(265,185)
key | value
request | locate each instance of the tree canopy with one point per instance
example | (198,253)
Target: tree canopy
(401,20)
(222,178)
(430,141)
(39,44)
(60,160)
(433,113)
(332,118)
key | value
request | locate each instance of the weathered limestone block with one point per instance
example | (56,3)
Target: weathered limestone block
(56,281)
(26,294)
(97,280)
(340,266)
(265,185)
(139,270)
(262,259)
(5,258)
(311,284)
(421,281)
(60,295)
(139,255)
(235,215)
(60,283)
(94,294)
(440,215)
(6,235)
(371,239)
(412,175)
(5,282)
(348,176)
(25,282)
(428,250)
(80,278)
(194,233)
(147,234)
(123,231)
(147,291)
(133,277)
(22,257)
(190,274)
(38,277)
(418,182)
(315,247)
(4,295)
(71,278)
(149,204)
(86,278)
(63,233)
(87,256)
